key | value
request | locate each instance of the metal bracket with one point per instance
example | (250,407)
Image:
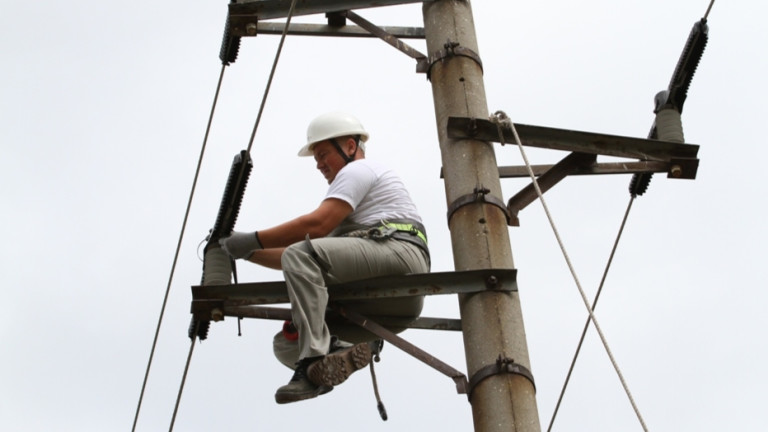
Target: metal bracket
(422,64)
(480,194)
(452,49)
(231,298)
(457,376)
(572,163)
(502,365)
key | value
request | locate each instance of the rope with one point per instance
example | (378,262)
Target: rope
(178,248)
(500,117)
(589,319)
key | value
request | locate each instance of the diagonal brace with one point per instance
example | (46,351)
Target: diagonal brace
(421,59)
(572,163)
(458,377)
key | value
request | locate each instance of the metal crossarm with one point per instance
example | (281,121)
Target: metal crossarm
(307,29)
(209,302)
(270,9)
(584,142)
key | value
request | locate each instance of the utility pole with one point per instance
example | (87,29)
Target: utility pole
(501,386)
(492,321)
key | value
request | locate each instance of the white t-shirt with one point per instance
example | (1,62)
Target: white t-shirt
(375,193)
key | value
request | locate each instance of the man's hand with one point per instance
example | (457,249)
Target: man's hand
(241,245)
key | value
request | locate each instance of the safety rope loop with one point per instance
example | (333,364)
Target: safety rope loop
(500,116)
(501,120)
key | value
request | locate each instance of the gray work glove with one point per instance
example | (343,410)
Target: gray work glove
(241,245)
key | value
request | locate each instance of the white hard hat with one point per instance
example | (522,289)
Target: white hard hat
(332,125)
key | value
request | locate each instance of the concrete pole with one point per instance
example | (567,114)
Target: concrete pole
(492,321)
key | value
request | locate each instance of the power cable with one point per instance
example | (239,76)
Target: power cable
(589,319)
(709,8)
(272,74)
(600,288)
(500,117)
(178,246)
(183,379)
(250,145)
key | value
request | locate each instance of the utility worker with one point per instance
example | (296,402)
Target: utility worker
(366,226)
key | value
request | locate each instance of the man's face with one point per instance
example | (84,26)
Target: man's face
(329,161)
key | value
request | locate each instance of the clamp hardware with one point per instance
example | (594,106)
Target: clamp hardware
(452,49)
(502,365)
(480,194)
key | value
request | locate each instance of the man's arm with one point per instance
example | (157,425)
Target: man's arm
(318,223)
(268,258)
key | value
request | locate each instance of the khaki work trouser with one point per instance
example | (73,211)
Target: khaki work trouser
(349,259)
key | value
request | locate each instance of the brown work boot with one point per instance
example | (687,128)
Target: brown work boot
(337,366)
(300,387)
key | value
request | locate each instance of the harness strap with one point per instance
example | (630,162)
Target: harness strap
(407,230)
(324,265)
(399,229)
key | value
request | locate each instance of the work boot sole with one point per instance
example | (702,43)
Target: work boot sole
(284,397)
(336,367)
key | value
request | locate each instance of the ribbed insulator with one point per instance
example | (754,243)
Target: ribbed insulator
(201,327)
(669,126)
(217,268)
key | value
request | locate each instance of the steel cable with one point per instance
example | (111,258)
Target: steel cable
(271,74)
(183,379)
(186,218)
(178,246)
(589,318)
(250,145)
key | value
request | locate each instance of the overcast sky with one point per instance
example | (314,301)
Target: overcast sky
(104,107)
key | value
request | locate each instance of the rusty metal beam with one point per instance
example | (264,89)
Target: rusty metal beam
(281,314)
(598,168)
(421,59)
(270,9)
(570,164)
(458,377)
(574,141)
(207,298)
(305,29)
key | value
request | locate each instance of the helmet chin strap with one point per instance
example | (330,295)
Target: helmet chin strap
(347,158)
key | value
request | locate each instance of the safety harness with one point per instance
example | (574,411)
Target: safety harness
(398,229)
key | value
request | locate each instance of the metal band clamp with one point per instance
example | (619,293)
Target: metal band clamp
(452,49)
(502,365)
(480,194)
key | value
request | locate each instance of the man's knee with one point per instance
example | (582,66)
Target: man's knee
(302,257)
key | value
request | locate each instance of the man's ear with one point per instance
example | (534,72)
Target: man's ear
(349,145)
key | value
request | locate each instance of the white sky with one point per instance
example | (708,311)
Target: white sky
(104,110)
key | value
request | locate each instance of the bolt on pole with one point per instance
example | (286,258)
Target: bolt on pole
(492,321)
